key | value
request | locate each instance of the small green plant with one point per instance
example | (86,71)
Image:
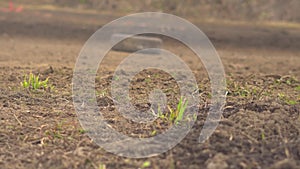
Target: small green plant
(57,135)
(160,114)
(281,96)
(82,131)
(286,99)
(33,82)
(102,93)
(174,115)
(102,166)
(116,78)
(287,80)
(147,80)
(239,90)
(263,136)
(291,80)
(53,134)
(153,133)
(291,102)
(146,164)
(177,115)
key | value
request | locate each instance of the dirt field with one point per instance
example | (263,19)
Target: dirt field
(260,127)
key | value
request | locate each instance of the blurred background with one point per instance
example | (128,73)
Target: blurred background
(266,10)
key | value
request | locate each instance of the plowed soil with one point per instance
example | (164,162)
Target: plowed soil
(260,127)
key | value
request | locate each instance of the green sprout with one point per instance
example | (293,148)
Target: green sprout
(147,80)
(174,116)
(153,133)
(33,82)
(291,102)
(146,164)
(160,114)
(177,115)
(102,166)
(286,99)
(291,80)
(82,131)
(263,136)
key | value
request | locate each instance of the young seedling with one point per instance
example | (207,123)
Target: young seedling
(286,99)
(160,113)
(263,136)
(33,82)
(177,115)
(146,164)
(82,131)
(102,166)
(153,133)
(297,88)
(174,116)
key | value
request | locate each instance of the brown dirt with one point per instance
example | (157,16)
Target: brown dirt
(260,127)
